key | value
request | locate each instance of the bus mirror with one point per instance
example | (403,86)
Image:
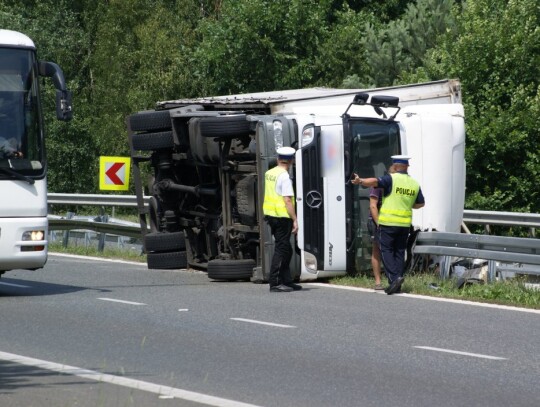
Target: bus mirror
(63,105)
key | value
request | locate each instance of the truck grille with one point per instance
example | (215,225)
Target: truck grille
(313,200)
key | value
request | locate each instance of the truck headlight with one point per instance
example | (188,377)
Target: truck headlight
(310,261)
(33,235)
(307,135)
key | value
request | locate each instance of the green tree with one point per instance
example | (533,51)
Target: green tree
(396,49)
(260,45)
(497,57)
(342,52)
(57,33)
(140,56)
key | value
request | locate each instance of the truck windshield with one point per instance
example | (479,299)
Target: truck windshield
(373,142)
(21,138)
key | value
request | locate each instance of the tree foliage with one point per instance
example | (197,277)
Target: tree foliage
(497,56)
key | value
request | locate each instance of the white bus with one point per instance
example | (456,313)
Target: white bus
(23,166)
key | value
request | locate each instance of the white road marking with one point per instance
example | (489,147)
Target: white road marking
(121,301)
(162,391)
(426,297)
(476,355)
(183,309)
(15,285)
(253,321)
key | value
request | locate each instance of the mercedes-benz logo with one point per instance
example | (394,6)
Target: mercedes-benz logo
(313,199)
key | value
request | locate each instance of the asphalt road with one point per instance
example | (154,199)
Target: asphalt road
(94,333)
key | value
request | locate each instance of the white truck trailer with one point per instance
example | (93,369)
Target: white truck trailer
(23,166)
(208,157)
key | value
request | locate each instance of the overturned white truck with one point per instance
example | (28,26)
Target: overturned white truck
(207,158)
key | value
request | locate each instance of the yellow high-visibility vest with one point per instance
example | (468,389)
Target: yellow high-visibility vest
(274,204)
(396,209)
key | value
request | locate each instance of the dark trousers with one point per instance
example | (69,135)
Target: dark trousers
(281,228)
(393,243)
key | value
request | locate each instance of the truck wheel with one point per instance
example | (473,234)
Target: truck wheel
(164,242)
(245,200)
(225,126)
(230,269)
(167,261)
(149,120)
(152,141)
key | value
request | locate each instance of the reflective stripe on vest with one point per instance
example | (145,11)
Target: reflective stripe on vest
(274,204)
(396,209)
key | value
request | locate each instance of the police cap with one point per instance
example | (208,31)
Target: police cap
(285,153)
(401,159)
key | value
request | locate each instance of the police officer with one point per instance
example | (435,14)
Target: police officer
(279,213)
(401,195)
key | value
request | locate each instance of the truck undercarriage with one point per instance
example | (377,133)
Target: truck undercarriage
(203,189)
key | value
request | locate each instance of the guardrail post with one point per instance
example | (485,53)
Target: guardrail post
(492,271)
(102,236)
(65,241)
(444,268)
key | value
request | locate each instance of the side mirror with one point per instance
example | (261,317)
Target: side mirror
(64,109)
(385,101)
(63,96)
(360,98)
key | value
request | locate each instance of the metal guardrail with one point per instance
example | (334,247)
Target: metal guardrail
(94,200)
(491,248)
(100,227)
(531,220)
(500,248)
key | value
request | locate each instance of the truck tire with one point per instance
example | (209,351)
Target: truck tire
(152,141)
(167,261)
(164,242)
(245,200)
(225,126)
(230,270)
(150,120)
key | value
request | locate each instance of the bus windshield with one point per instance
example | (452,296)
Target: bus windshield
(373,142)
(21,138)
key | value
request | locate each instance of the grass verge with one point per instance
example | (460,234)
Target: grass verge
(108,253)
(511,292)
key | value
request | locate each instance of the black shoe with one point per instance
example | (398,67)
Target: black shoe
(295,287)
(395,286)
(280,289)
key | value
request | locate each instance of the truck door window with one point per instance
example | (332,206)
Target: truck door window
(373,142)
